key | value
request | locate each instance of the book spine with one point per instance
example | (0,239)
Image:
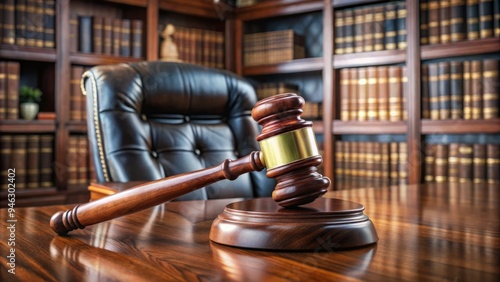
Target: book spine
(395,93)
(339,162)
(46,160)
(444,21)
(378,29)
(72,161)
(117,36)
(426,114)
(434,91)
(85,35)
(355,164)
(453,162)
(383,92)
(401,23)
(434,27)
(430,163)
(479,163)
(21,26)
(465,151)
(372,97)
(444,90)
(9,28)
(82,169)
(107,27)
(370,165)
(393,163)
(38,22)
(125,38)
(344,94)
(339,32)
(368,30)
(362,165)
(493,163)
(19,159)
(2,12)
(402,163)
(384,163)
(477,89)
(467,101)
(404,96)
(97,34)
(12,90)
(3,91)
(491,88)
(424,22)
(441,167)
(390,26)
(358,29)
(33,165)
(496,18)
(456,89)
(49,14)
(136,38)
(353,94)
(348,31)
(457,20)
(472,19)
(486,18)
(5,155)
(348,165)
(73,33)
(377,163)
(362,94)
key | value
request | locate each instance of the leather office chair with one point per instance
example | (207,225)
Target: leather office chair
(151,120)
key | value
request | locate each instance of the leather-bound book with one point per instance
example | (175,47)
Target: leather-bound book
(339,162)
(458,20)
(378,28)
(355,164)
(390,26)
(353,94)
(493,163)
(472,11)
(393,163)
(384,163)
(377,162)
(9,22)
(125,50)
(97,34)
(372,101)
(72,160)
(477,89)
(107,34)
(359,20)
(486,18)
(444,90)
(496,18)
(85,34)
(21,24)
(467,101)
(348,162)
(383,92)
(453,162)
(491,88)
(368,30)
(424,22)
(5,154)
(339,32)
(136,42)
(49,19)
(434,19)
(403,163)
(82,161)
(456,89)
(75,99)
(33,163)
(430,162)
(117,36)
(73,33)
(362,159)
(348,31)
(369,160)
(404,96)
(13,72)
(401,23)
(344,94)
(441,161)
(479,163)
(444,21)
(395,93)
(19,159)
(426,113)
(465,174)
(35,23)
(46,160)
(3,91)
(362,93)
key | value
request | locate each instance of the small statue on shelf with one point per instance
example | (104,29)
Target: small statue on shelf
(168,50)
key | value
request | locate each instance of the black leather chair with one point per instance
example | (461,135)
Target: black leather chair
(151,120)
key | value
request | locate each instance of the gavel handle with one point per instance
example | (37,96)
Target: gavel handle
(151,194)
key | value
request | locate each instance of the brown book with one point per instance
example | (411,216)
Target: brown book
(472,12)
(359,20)
(496,18)
(444,21)
(362,93)
(72,161)
(486,18)
(424,22)
(384,163)
(353,94)
(458,20)
(395,93)
(8,19)
(467,101)
(22,35)
(453,162)
(477,89)
(402,163)
(369,160)
(33,163)
(372,88)
(378,28)
(441,167)
(348,31)
(46,160)
(46,116)
(430,163)
(491,88)
(3,91)
(465,174)
(19,160)
(344,94)
(13,71)
(339,32)
(426,113)
(348,163)
(125,50)
(394,163)
(434,19)
(433,91)
(493,163)
(479,163)
(368,30)
(456,89)
(117,36)
(76,94)
(339,161)
(73,33)
(107,36)
(82,160)
(355,163)
(383,92)
(377,162)
(97,35)
(362,164)
(5,156)
(404,96)
(136,38)
(444,90)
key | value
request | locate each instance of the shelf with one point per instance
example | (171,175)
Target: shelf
(93,59)
(275,8)
(137,3)
(345,3)
(463,48)
(460,126)
(14,52)
(365,59)
(299,65)
(369,127)
(77,126)
(28,126)
(193,8)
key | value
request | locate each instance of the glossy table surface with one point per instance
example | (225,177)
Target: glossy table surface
(443,232)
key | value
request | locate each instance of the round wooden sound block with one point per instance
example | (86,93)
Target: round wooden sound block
(323,224)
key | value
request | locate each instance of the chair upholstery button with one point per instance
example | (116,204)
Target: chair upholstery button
(186,119)
(197,152)
(154,154)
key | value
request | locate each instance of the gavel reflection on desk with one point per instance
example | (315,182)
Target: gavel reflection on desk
(288,151)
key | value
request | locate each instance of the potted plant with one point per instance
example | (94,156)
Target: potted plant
(29,98)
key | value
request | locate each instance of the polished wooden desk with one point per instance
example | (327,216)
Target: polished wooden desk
(427,233)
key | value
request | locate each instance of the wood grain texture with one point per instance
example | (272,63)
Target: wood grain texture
(447,232)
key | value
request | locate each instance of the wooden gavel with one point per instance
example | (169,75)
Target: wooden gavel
(288,151)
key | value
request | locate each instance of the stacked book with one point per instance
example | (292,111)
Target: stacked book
(32,156)
(108,36)
(460,162)
(9,90)
(371,28)
(80,168)
(461,90)
(200,46)
(373,93)
(272,47)
(368,164)
(28,23)
(78,110)
(445,21)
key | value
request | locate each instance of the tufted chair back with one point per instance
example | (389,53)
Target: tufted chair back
(150,120)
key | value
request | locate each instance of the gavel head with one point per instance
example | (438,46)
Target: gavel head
(289,150)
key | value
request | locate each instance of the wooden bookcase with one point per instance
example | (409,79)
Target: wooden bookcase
(320,68)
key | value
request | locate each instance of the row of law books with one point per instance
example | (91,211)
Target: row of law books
(457,20)
(200,46)
(371,28)
(9,90)
(80,167)
(373,93)
(272,47)
(366,164)
(461,162)
(108,36)
(311,110)
(28,23)
(77,110)
(32,157)
(461,90)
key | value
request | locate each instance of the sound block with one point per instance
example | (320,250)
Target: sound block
(328,224)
